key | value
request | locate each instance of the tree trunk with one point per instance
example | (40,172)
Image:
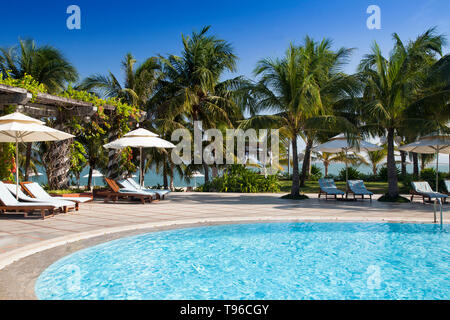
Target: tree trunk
(206,172)
(295,190)
(306,162)
(165,180)
(422,163)
(403,157)
(391,168)
(415,165)
(113,156)
(172,187)
(57,164)
(374,169)
(27,161)
(91,169)
(215,171)
(326,164)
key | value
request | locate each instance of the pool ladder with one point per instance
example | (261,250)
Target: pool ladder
(440,207)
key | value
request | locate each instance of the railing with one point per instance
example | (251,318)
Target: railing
(441,209)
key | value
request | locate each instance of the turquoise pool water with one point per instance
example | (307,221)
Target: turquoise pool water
(261,261)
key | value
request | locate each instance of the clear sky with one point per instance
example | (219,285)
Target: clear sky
(256,28)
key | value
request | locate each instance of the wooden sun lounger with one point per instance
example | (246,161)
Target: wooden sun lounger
(116,194)
(16,206)
(28,209)
(62,208)
(71,199)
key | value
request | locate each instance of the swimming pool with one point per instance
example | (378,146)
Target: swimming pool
(260,261)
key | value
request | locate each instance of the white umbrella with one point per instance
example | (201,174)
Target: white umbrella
(433,143)
(196,175)
(340,143)
(38,174)
(95,174)
(17,127)
(139,138)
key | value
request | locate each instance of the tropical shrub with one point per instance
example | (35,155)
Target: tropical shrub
(316,173)
(383,173)
(429,175)
(240,179)
(369,177)
(353,174)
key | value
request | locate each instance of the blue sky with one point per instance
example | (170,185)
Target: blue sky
(256,28)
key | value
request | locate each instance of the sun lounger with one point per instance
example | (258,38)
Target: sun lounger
(160,193)
(62,204)
(127,186)
(34,189)
(423,189)
(328,188)
(118,193)
(8,203)
(357,188)
(447,186)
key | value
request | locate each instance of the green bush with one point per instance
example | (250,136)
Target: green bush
(383,174)
(353,174)
(240,179)
(369,177)
(429,175)
(316,173)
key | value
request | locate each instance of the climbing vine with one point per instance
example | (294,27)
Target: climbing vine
(27,83)
(92,132)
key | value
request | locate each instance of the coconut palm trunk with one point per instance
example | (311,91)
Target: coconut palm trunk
(403,160)
(57,162)
(391,168)
(306,162)
(415,165)
(295,190)
(91,169)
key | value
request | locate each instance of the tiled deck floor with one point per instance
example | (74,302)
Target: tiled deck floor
(17,232)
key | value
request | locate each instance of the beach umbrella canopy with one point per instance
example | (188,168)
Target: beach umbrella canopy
(17,127)
(95,174)
(434,143)
(340,143)
(196,175)
(38,174)
(140,138)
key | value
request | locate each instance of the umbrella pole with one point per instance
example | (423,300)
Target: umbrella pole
(17,169)
(346,173)
(140,168)
(437,170)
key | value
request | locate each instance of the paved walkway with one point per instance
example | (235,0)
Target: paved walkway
(20,237)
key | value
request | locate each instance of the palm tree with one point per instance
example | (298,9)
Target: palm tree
(139,83)
(390,85)
(139,86)
(375,158)
(296,90)
(194,85)
(328,158)
(45,64)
